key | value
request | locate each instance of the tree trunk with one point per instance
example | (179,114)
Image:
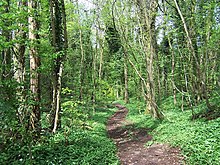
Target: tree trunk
(34,68)
(172,72)
(81,72)
(126,97)
(148,10)
(199,83)
(101,59)
(60,44)
(57,94)
(19,65)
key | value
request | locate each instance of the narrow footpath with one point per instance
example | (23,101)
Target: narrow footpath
(131,143)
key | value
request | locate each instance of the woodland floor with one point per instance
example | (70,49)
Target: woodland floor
(131,142)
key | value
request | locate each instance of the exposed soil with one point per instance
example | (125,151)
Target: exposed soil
(131,143)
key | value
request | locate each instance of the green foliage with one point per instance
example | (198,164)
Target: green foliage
(106,91)
(112,37)
(198,139)
(137,115)
(73,115)
(168,103)
(70,145)
(8,123)
(83,147)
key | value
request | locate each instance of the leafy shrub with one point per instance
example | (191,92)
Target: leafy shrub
(73,114)
(75,146)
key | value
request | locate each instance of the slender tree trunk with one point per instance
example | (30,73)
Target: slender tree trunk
(172,72)
(6,59)
(101,50)
(126,97)
(53,43)
(148,10)
(34,67)
(81,73)
(94,79)
(95,54)
(205,76)
(187,89)
(101,59)
(200,81)
(57,94)
(158,80)
(60,44)
(19,65)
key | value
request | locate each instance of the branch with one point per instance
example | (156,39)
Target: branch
(187,33)
(113,17)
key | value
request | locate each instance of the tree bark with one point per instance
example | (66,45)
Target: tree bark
(60,44)
(126,96)
(57,95)
(34,67)
(148,10)
(81,73)
(200,81)
(19,64)
(173,72)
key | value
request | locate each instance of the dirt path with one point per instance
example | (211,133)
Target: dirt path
(131,143)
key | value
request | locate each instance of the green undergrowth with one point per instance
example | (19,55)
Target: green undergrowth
(139,117)
(83,144)
(198,139)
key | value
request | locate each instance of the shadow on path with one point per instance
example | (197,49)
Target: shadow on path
(131,143)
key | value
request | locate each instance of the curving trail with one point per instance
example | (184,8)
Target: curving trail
(131,143)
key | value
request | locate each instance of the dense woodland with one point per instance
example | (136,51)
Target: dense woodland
(64,62)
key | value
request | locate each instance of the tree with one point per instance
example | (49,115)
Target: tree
(19,60)
(34,122)
(148,10)
(59,43)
